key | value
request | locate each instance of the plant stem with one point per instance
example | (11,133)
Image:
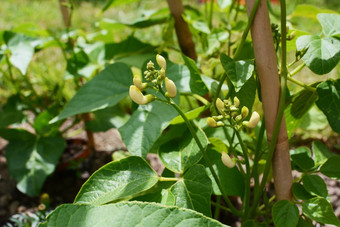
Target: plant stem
(297,69)
(197,97)
(206,158)
(312,89)
(217,209)
(217,205)
(9,65)
(168,179)
(211,13)
(246,31)
(246,200)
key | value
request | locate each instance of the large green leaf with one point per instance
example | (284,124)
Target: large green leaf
(285,214)
(12,112)
(239,72)
(104,90)
(320,210)
(231,179)
(331,168)
(31,159)
(145,126)
(247,94)
(127,214)
(329,102)
(117,180)
(300,192)
(320,152)
(330,23)
(322,54)
(193,191)
(197,85)
(315,185)
(22,50)
(301,159)
(179,155)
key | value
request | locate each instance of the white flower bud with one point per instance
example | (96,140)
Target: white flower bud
(170,88)
(254,120)
(138,97)
(138,83)
(161,61)
(211,122)
(227,161)
(161,76)
(244,112)
(220,105)
(236,102)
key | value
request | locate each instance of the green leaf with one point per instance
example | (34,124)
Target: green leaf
(42,126)
(285,214)
(329,102)
(31,159)
(168,198)
(302,103)
(191,115)
(322,54)
(331,168)
(12,112)
(193,191)
(127,214)
(145,126)
(179,155)
(304,222)
(320,210)
(300,192)
(239,72)
(309,11)
(158,194)
(197,86)
(330,23)
(105,119)
(301,157)
(231,179)
(21,50)
(117,180)
(106,89)
(315,185)
(314,120)
(320,152)
(247,94)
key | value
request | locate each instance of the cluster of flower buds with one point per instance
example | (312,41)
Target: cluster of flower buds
(155,79)
(230,111)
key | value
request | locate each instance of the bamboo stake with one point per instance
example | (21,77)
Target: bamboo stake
(182,29)
(266,66)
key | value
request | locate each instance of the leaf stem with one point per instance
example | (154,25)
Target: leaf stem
(211,13)
(205,156)
(312,89)
(167,179)
(217,205)
(297,69)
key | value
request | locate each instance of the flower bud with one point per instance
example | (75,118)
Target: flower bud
(161,76)
(138,97)
(211,122)
(254,120)
(238,118)
(227,161)
(138,83)
(236,102)
(161,61)
(244,112)
(150,66)
(220,105)
(170,87)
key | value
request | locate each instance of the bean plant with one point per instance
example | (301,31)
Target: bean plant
(201,116)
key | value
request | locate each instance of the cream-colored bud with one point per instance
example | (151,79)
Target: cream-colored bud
(138,83)
(254,120)
(138,97)
(236,102)
(161,61)
(150,66)
(220,105)
(170,88)
(211,122)
(227,161)
(161,76)
(244,112)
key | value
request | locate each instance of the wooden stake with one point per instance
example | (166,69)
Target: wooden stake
(182,29)
(266,67)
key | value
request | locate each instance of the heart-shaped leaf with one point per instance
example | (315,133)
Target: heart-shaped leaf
(285,214)
(330,23)
(331,167)
(116,180)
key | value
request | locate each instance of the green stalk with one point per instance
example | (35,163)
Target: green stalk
(167,179)
(246,200)
(281,107)
(211,13)
(297,69)
(312,89)
(246,31)
(205,156)
(218,207)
